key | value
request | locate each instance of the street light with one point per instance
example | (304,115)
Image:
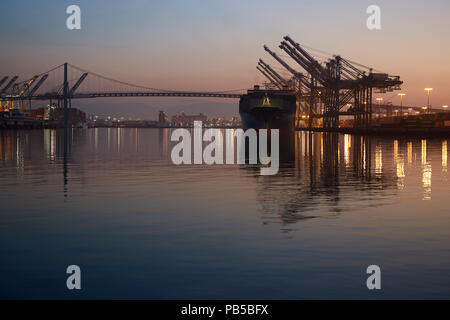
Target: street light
(428,97)
(379,105)
(401,103)
(445,107)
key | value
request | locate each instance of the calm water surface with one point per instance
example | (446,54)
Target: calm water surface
(113,203)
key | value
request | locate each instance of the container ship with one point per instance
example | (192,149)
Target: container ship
(268,109)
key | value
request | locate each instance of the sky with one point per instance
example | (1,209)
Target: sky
(206,45)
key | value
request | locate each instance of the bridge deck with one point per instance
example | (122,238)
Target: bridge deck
(126,94)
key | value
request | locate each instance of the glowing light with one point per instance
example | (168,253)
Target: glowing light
(410,152)
(424,151)
(444,156)
(426,181)
(266,102)
(321,149)
(426,173)
(400,168)
(400,173)
(347,146)
(378,160)
(395,150)
(398,160)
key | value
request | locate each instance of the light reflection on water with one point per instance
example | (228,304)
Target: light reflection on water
(141,227)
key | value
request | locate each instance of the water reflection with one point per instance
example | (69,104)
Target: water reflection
(316,169)
(337,203)
(347,147)
(318,175)
(444,156)
(398,161)
(409,152)
(426,172)
(319,179)
(379,160)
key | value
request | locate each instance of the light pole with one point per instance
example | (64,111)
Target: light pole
(445,107)
(401,103)
(428,98)
(379,105)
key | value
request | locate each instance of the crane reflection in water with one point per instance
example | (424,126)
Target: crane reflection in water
(321,175)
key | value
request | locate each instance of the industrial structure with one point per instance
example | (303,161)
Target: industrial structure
(323,89)
(329,89)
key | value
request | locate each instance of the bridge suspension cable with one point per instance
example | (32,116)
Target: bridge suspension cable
(87,84)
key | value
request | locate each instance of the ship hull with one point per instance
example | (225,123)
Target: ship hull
(265,109)
(268,119)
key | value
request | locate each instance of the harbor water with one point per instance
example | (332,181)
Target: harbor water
(111,201)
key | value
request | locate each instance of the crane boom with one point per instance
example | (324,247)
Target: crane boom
(290,51)
(40,82)
(269,77)
(284,64)
(27,86)
(273,72)
(351,66)
(313,68)
(10,83)
(281,83)
(78,83)
(321,72)
(3,80)
(301,50)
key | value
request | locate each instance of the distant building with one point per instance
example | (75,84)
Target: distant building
(188,120)
(52,113)
(163,119)
(37,114)
(135,123)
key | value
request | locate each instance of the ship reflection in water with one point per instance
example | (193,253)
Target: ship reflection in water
(111,201)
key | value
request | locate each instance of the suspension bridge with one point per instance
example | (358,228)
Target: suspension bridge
(85,84)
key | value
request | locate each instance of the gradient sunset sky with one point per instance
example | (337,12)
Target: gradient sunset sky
(214,45)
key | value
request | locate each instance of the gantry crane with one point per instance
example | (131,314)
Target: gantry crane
(326,88)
